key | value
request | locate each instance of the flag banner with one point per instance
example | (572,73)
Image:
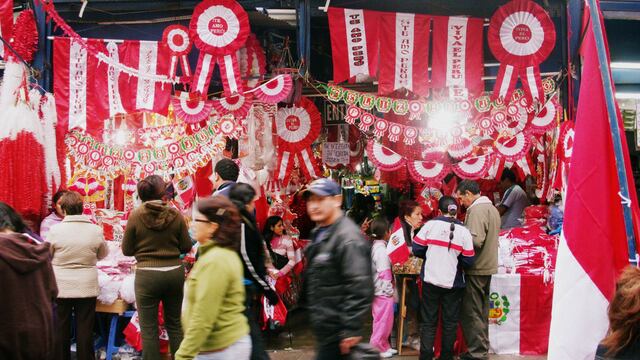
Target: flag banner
(593,245)
(145,94)
(397,248)
(80,86)
(6,24)
(354,43)
(404,53)
(457,56)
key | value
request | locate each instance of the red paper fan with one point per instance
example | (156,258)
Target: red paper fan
(190,107)
(299,126)
(384,158)
(565,143)
(517,123)
(219,27)
(546,118)
(427,171)
(512,148)
(473,168)
(275,90)
(176,38)
(237,105)
(461,150)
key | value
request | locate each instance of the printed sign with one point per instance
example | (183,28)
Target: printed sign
(334,153)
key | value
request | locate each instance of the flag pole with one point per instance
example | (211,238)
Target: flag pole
(615,128)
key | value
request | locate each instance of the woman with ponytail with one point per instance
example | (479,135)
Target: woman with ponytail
(447,247)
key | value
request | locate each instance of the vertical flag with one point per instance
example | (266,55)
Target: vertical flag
(397,248)
(6,23)
(404,53)
(354,43)
(593,247)
(457,55)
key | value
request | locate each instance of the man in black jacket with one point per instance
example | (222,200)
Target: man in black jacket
(338,279)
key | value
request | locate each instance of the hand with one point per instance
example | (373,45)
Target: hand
(365,225)
(275,275)
(348,343)
(272,297)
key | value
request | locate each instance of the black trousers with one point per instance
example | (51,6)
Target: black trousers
(84,310)
(330,352)
(434,300)
(252,311)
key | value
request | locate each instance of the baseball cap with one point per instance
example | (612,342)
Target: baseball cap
(322,187)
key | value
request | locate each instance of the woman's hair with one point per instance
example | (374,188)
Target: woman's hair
(57,197)
(448,206)
(241,194)
(267,232)
(218,209)
(378,228)
(406,207)
(71,203)
(10,219)
(624,312)
(151,188)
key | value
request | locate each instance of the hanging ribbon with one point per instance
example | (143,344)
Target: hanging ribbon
(521,36)
(176,39)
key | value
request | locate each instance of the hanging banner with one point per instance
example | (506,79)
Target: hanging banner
(457,56)
(521,36)
(145,94)
(80,86)
(354,43)
(6,24)
(404,53)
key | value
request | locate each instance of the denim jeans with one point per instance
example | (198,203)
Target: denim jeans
(240,350)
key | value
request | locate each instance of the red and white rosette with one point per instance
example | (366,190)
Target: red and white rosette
(395,130)
(473,168)
(236,105)
(229,127)
(516,124)
(380,127)
(512,148)
(521,36)
(176,39)
(191,107)
(545,119)
(484,125)
(297,127)
(428,171)
(410,135)
(384,158)
(366,121)
(416,109)
(461,149)
(353,114)
(219,28)
(274,90)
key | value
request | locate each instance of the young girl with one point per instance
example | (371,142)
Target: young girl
(384,290)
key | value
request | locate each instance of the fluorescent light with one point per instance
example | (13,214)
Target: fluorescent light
(627,96)
(626,65)
(286,15)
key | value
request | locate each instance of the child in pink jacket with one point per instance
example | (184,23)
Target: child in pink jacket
(384,288)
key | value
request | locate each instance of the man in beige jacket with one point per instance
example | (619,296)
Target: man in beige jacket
(483,220)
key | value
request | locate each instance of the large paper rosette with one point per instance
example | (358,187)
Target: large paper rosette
(219,27)
(383,157)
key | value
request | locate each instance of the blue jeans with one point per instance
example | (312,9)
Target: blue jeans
(240,350)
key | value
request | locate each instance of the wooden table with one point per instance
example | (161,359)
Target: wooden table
(404,280)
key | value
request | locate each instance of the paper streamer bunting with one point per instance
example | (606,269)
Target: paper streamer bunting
(521,36)
(473,168)
(353,114)
(366,121)
(384,158)
(219,28)
(274,90)
(428,171)
(236,105)
(176,39)
(297,127)
(546,118)
(512,148)
(190,107)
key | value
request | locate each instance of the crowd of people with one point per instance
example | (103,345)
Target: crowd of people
(51,278)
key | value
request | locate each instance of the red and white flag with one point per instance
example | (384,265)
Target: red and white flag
(593,246)
(80,87)
(6,23)
(457,55)
(354,43)
(404,53)
(397,248)
(144,93)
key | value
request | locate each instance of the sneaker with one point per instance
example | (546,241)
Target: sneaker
(387,354)
(393,351)
(415,344)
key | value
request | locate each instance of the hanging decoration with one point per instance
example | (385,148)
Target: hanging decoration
(229,127)
(236,105)
(383,157)
(256,62)
(219,28)
(547,117)
(25,36)
(176,39)
(473,168)
(457,63)
(297,128)
(191,107)
(565,142)
(87,187)
(354,43)
(461,150)
(6,25)
(521,36)
(512,148)
(429,172)
(274,90)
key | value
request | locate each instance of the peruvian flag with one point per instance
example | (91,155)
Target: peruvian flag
(404,53)
(457,55)
(80,88)
(593,247)
(6,23)
(144,93)
(397,248)
(354,43)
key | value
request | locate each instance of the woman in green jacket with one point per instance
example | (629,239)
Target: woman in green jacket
(213,320)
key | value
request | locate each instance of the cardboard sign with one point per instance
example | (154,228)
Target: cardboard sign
(334,153)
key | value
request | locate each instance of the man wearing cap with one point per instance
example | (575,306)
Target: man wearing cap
(338,278)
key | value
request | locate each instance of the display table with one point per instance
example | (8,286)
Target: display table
(116,311)
(403,280)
